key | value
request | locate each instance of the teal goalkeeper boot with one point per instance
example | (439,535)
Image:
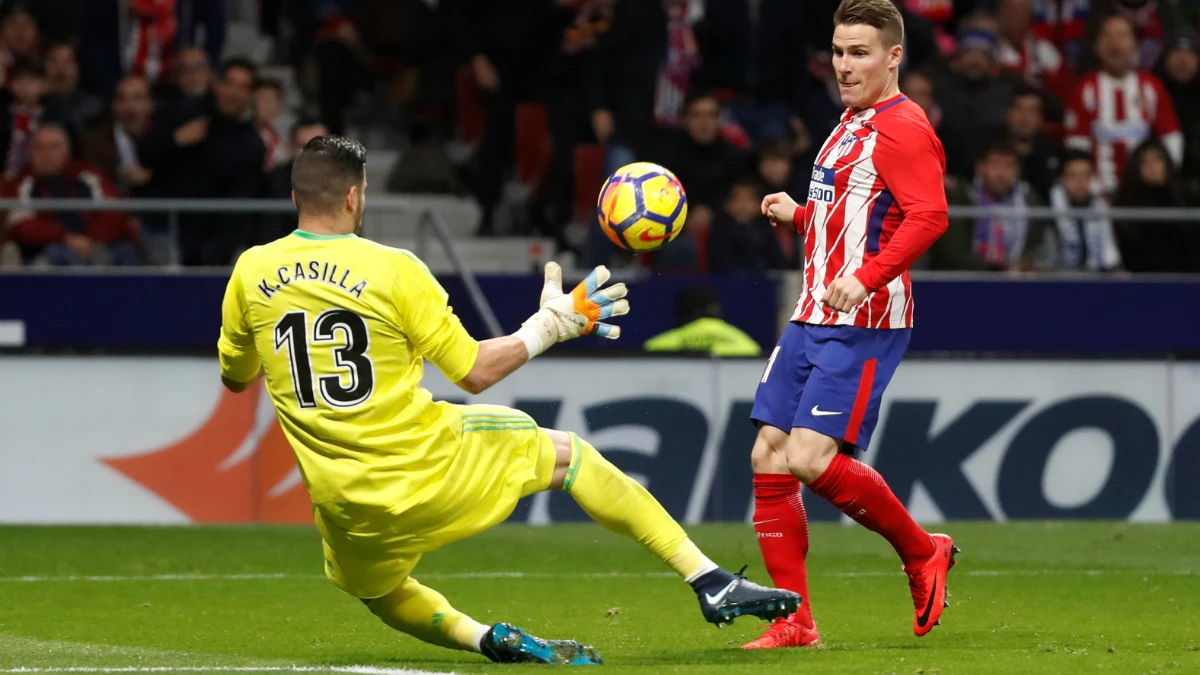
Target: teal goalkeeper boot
(505,643)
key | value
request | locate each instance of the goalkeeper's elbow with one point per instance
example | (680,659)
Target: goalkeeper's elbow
(474,383)
(235,386)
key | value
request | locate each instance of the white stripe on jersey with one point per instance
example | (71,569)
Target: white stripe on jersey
(897,301)
(844,194)
(1106,113)
(857,179)
(862,172)
(858,197)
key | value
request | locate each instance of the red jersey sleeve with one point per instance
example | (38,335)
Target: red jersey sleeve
(1165,120)
(913,168)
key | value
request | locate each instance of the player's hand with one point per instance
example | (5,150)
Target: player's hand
(79,244)
(565,316)
(136,174)
(844,294)
(485,73)
(603,125)
(780,208)
(580,312)
(192,133)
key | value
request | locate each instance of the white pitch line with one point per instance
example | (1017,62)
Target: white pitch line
(570,575)
(158,577)
(355,669)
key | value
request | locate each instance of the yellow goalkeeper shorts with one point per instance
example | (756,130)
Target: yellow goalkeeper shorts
(502,457)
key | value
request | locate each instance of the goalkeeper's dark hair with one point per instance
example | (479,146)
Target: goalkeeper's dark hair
(324,170)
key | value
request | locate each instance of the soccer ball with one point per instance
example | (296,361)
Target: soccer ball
(642,207)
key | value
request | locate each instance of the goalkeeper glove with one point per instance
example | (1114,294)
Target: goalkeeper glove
(563,316)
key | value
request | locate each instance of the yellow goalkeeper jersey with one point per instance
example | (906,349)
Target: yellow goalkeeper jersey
(340,326)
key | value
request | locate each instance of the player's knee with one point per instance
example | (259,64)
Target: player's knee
(562,448)
(809,454)
(769,452)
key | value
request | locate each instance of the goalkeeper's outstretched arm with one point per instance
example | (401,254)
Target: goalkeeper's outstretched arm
(561,317)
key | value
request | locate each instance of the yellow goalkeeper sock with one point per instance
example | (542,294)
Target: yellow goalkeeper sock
(622,505)
(426,615)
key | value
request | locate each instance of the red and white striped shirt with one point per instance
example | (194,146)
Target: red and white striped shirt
(876,201)
(150,28)
(1038,61)
(1110,116)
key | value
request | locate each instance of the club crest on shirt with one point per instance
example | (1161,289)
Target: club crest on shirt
(844,145)
(820,189)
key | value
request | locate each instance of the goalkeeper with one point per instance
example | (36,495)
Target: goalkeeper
(340,326)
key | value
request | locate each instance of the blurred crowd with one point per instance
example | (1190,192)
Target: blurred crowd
(526,105)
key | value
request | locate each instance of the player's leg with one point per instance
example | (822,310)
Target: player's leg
(839,408)
(780,523)
(622,505)
(425,614)
(383,584)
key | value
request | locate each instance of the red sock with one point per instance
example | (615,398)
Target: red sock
(861,493)
(782,528)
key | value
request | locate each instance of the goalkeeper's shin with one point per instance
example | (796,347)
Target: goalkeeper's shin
(622,505)
(426,615)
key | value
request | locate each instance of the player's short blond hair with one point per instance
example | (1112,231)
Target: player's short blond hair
(879,14)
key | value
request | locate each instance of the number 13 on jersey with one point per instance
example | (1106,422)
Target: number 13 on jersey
(354,379)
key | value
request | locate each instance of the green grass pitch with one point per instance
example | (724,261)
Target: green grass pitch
(1026,598)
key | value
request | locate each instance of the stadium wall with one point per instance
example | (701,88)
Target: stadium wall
(1064,316)
(157,440)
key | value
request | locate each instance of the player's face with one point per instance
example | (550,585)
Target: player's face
(1181,64)
(49,152)
(233,92)
(1015,18)
(1077,180)
(1024,118)
(62,70)
(20,32)
(999,173)
(864,66)
(1154,168)
(28,89)
(133,104)
(1117,45)
(703,120)
(744,204)
(194,72)
(775,170)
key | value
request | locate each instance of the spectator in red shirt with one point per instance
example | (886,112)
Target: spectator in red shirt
(1037,59)
(67,237)
(1116,108)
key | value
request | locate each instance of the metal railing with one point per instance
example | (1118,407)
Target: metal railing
(429,221)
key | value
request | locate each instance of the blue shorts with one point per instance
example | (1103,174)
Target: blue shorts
(829,379)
